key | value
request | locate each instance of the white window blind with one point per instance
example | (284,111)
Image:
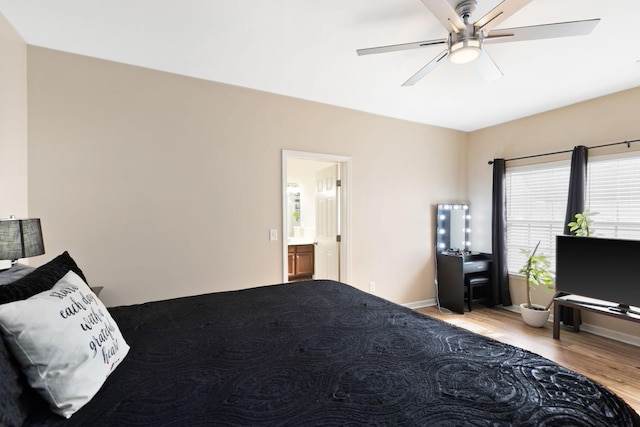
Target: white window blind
(613,190)
(536,207)
(537,199)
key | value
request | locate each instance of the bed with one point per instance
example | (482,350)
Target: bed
(319,353)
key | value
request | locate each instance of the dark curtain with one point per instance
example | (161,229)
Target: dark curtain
(575,204)
(577,182)
(500,273)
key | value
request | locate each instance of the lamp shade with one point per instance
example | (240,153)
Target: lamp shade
(20,238)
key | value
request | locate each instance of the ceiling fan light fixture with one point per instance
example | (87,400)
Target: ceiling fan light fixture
(466,38)
(464,51)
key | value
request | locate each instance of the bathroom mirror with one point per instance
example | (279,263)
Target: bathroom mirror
(293,209)
(452,227)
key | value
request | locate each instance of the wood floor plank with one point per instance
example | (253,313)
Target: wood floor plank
(611,363)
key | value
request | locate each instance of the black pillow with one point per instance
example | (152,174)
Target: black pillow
(17,399)
(39,280)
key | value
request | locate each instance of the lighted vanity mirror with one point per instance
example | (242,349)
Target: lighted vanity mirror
(452,227)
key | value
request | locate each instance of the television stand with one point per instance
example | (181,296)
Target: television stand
(624,309)
(619,311)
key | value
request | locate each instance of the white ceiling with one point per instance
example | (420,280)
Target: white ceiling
(306,49)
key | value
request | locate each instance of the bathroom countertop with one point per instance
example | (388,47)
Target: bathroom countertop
(299,241)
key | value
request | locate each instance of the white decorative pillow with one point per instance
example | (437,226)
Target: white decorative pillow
(66,342)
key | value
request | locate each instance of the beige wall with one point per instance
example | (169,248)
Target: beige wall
(162,185)
(600,121)
(13,123)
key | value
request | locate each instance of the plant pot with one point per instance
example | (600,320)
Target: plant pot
(535,317)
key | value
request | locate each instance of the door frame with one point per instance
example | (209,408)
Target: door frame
(344,165)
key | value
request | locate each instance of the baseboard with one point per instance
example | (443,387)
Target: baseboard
(609,333)
(586,327)
(514,308)
(593,329)
(420,304)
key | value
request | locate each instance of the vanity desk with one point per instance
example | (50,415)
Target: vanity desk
(463,275)
(454,270)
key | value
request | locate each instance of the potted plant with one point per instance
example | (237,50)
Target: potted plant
(581,227)
(537,272)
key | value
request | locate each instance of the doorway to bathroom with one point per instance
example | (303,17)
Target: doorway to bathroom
(315,216)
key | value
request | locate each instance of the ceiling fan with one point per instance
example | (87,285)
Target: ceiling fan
(465,41)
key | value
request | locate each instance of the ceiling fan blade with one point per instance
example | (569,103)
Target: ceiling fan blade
(499,13)
(403,46)
(487,67)
(545,31)
(426,69)
(447,16)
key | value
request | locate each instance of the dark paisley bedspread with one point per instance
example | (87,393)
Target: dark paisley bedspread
(324,353)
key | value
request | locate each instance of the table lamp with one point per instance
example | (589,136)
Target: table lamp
(20,238)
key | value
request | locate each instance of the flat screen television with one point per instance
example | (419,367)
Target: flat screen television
(600,268)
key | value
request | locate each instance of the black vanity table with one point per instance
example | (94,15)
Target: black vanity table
(463,276)
(454,270)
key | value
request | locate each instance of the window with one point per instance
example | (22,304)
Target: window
(536,207)
(613,190)
(537,201)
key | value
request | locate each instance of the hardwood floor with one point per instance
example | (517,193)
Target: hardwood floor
(611,363)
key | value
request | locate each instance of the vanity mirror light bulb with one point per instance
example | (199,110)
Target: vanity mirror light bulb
(441,231)
(441,245)
(442,217)
(467,243)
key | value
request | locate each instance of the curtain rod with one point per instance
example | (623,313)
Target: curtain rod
(628,143)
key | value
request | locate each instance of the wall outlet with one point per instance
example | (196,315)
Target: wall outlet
(372,286)
(273,234)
